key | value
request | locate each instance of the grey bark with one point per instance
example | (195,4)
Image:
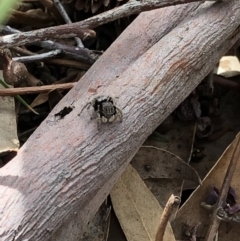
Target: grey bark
(68,166)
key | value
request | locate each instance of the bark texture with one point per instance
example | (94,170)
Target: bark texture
(68,166)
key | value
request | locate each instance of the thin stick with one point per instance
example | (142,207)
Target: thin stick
(82,54)
(37,57)
(171,206)
(22,51)
(35,89)
(215,221)
(66,18)
(69,63)
(19,98)
(82,28)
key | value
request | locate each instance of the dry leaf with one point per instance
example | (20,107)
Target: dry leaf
(178,138)
(8,126)
(163,188)
(153,162)
(214,178)
(40,99)
(96,5)
(106,2)
(137,209)
(54,96)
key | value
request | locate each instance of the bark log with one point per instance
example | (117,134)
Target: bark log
(68,166)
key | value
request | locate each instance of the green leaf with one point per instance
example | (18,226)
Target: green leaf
(6,6)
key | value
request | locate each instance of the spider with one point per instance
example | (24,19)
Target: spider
(106,109)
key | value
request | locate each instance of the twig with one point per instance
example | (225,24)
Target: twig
(82,28)
(45,58)
(38,57)
(63,13)
(19,98)
(22,51)
(35,89)
(172,204)
(8,29)
(81,54)
(69,63)
(62,31)
(215,220)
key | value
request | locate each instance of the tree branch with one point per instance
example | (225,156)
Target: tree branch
(62,31)
(81,54)
(128,9)
(81,28)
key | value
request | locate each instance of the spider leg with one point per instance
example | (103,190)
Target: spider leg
(89,104)
(119,114)
(112,118)
(99,120)
(104,119)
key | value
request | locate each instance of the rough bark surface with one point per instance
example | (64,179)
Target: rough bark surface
(68,166)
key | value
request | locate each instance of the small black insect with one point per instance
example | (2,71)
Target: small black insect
(106,109)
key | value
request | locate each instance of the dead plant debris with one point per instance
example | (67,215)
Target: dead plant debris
(43,62)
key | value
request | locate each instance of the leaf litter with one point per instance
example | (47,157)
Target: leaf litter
(137,209)
(163,162)
(164,148)
(9,142)
(214,178)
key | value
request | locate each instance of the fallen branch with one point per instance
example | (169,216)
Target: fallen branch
(81,28)
(62,31)
(81,54)
(128,9)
